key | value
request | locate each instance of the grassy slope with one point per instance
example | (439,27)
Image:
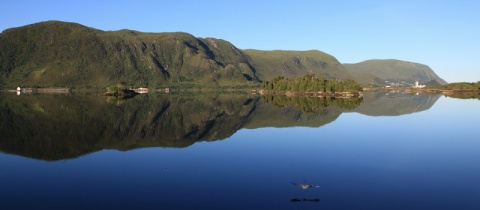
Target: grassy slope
(295,63)
(379,71)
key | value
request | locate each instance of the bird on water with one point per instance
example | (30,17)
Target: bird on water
(305,185)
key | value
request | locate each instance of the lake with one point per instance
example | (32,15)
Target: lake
(389,150)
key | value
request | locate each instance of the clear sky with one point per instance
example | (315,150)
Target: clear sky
(444,35)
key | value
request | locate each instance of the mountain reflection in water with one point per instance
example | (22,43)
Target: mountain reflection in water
(55,127)
(395,103)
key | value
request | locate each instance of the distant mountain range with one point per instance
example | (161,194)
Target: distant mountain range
(56,53)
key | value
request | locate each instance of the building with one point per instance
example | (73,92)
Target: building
(417,85)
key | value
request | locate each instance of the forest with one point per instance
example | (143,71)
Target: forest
(311,83)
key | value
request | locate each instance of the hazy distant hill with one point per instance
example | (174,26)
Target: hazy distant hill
(296,63)
(393,71)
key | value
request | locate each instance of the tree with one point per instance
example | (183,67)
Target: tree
(309,83)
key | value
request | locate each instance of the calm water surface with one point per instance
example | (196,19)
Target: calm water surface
(242,152)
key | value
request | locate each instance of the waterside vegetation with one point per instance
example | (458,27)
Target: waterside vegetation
(463,90)
(311,85)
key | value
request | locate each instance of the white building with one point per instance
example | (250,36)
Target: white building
(418,86)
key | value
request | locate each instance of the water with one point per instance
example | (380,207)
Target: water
(395,151)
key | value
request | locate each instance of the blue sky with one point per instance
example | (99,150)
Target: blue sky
(444,35)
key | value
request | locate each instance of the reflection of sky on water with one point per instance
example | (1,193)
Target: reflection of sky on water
(428,159)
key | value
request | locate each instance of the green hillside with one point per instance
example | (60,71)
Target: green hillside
(377,72)
(57,53)
(291,64)
(62,54)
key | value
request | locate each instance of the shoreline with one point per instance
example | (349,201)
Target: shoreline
(40,90)
(310,94)
(442,91)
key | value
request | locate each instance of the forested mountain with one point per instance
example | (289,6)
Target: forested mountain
(62,54)
(55,53)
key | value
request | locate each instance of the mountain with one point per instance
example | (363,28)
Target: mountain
(378,72)
(56,53)
(62,54)
(296,63)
